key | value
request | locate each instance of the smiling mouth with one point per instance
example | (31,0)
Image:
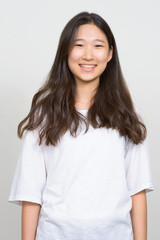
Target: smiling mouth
(88,66)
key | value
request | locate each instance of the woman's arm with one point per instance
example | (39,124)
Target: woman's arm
(139,215)
(30,216)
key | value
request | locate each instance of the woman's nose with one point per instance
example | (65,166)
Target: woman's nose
(88,53)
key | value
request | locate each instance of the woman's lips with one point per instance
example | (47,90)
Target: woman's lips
(88,67)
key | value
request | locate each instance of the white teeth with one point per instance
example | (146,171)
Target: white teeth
(87,66)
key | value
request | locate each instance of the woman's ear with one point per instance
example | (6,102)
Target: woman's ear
(110,54)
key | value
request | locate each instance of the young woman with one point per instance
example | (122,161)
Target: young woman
(84,170)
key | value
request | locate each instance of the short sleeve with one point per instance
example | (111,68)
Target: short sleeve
(30,174)
(138,169)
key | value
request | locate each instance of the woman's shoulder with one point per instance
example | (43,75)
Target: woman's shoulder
(31,139)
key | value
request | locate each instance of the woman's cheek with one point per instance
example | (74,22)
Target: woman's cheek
(75,55)
(102,56)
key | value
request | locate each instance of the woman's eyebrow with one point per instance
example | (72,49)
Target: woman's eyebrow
(81,39)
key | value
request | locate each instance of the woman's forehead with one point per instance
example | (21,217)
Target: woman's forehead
(90,32)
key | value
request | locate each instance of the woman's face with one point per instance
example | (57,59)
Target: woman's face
(89,54)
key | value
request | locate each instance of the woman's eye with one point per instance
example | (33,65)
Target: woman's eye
(98,45)
(79,45)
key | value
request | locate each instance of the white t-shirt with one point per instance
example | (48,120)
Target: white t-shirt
(84,184)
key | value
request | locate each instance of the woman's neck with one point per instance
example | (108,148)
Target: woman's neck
(84,96)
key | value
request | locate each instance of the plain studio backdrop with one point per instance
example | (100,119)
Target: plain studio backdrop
(30,30)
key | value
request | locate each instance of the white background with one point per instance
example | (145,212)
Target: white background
(29,34)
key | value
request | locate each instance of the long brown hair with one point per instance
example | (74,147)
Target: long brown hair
(53,106)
